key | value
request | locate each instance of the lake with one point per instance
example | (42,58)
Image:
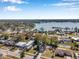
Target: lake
(49,25)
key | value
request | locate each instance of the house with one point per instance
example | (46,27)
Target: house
(21,44)
(7,42)
(64,40)
(26,45)
(30,44)
(62,53)
(67,53)
(75,38)
(59,52)
(2,41)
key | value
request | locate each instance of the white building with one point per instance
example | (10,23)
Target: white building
(26,45)
(75,38)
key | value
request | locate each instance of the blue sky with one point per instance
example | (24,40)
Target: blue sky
(39,9)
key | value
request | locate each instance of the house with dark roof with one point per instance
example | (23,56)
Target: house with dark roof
(7,42)
(62,53)
(59,52)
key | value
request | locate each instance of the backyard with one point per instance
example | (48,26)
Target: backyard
(48,53)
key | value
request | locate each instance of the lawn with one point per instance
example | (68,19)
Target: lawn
(1,45)
(11,57)
(4,47)
(68,43)
(48,53)
(66,46)
(32,51)
(72,34)
(13,49)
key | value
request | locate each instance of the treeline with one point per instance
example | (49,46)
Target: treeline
(38,20)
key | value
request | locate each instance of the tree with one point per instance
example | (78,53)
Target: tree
(6,36)
(38,36)
(44,39)
(40,41)
(54,42)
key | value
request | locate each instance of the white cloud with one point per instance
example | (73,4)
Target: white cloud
(13,1)
(63,4)
(73,9)
(11,8)
(66,3)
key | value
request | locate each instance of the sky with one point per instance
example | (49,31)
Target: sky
(39,9)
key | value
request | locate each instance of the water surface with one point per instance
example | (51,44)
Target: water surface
(49,25)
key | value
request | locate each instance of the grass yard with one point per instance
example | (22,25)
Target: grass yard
(48,53)
(68,43)
(64,46)
(1,45)
(31,52)
(71,34)
(4,47)
(13,49)
(11,57)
